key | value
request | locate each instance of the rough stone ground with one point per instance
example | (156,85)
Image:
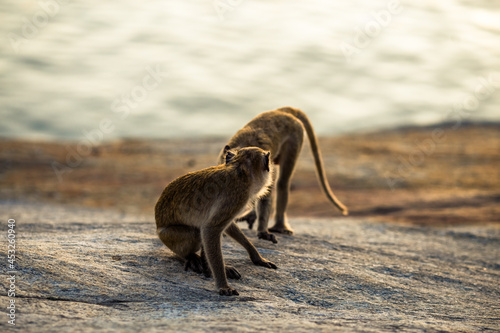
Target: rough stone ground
(82,270)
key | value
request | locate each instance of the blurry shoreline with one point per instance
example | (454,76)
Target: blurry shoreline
(435,175)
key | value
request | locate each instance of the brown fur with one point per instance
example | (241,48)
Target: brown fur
(281,132)
(195,209)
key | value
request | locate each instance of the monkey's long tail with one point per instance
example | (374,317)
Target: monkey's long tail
(318,160)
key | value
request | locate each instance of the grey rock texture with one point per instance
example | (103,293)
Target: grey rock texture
(82,270)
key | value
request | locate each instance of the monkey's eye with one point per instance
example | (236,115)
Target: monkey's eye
(229,157)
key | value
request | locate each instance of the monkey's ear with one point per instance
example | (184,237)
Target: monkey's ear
(229,156)
(266,161)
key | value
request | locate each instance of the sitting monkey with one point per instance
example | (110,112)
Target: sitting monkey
(281,132)
(195,210)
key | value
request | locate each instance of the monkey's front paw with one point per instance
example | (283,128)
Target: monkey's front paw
(267,236)
(232,273)
(250,218)
(265,263)
(228,291)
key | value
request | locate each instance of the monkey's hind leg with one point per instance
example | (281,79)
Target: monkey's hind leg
(184,241)
(287,164)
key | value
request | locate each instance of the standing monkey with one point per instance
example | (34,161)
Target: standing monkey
(195,210)
(281,132)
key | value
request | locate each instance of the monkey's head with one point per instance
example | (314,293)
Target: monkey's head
(254,159)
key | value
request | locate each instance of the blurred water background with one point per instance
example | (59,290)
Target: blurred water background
(161,69)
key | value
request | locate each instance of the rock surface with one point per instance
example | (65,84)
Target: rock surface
(83,270)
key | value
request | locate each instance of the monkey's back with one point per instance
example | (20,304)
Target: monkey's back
(199,196)
(267,131)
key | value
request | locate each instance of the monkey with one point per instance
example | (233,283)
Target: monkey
(194,211)
(281,132)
